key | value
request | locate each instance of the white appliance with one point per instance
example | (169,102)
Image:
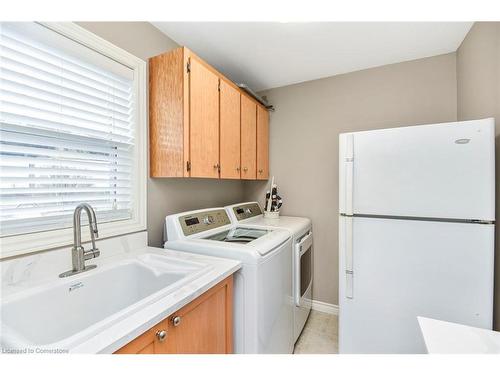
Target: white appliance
(416,230)
(250,214)
(263,310)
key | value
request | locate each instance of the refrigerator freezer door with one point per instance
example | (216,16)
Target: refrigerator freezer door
(408,268)
(430,171)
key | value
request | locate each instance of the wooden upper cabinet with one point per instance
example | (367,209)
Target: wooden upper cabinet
(248,138)
(262,143)
(229,131)
(201,124)
(168,114)
(204,120)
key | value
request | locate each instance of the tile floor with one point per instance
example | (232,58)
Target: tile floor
(320,335)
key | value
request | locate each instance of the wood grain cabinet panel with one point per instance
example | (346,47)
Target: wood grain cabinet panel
(167,109)
(262,143)
(204,120)
(150,342)
(248,138)
(229,131)
(203,326)
(201,123)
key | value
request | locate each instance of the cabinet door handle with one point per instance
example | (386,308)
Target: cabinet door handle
(161,335)
(245,169)
(176,320)
(238,169)
(261,170)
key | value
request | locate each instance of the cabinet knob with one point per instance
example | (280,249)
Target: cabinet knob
(161,335)
(245,169)
(176,320)
(216,166)
(238,169)
(261,170)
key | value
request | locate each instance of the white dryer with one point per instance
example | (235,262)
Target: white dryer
(263,302)
(250,214)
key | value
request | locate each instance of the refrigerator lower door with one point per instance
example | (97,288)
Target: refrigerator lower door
(402,269)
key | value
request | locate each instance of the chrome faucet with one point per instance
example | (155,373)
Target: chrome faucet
(78,254)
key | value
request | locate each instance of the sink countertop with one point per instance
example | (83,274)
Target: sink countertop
(124,331)
(443,337)
(115,336)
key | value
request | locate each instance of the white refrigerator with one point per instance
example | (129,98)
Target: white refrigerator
(416,232)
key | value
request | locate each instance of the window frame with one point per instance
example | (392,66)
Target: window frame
(27,243)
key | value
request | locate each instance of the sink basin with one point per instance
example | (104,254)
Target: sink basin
(66,311)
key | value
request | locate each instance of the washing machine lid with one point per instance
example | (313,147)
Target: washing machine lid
(250,214)
(238,235)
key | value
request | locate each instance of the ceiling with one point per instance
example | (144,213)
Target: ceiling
(272,54)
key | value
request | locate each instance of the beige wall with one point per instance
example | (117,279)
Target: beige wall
(304,139)
(165,196)
(478,96)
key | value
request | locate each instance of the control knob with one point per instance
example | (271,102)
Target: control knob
(209,219)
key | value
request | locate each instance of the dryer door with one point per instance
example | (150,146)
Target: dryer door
(303,270)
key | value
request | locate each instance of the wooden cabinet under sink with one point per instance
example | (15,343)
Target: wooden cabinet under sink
(201,123)
(203,326)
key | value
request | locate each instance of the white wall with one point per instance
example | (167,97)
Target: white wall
(304,139)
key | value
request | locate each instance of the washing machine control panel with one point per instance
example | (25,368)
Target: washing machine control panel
(246,211)
(203,221)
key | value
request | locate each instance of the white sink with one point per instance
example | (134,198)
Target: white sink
(64,312)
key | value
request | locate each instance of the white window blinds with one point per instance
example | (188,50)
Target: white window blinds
(66,131)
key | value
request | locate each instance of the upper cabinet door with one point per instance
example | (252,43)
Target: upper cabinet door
(248,138)
(262,143)
(229,131)
(204,120)
(167,115)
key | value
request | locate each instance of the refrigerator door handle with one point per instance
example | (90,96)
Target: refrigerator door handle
(348,258)
(349,170)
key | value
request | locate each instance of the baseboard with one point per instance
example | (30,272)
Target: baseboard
(324,307)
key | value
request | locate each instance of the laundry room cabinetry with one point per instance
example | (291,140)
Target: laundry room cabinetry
(248,139)
(262,143)
(203,326)
(201,124)
(204,120)
(230,132)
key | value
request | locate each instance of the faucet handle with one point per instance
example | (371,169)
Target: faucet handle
(91,254)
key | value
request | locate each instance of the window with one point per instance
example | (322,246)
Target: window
(72,130)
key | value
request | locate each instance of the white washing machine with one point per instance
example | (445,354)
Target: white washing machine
(250,214)
(263,302)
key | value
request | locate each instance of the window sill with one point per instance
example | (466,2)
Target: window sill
(35,242)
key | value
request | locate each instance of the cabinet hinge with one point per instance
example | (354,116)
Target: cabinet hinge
(188,166)
(188,67)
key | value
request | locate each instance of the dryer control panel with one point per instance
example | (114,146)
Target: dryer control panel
(203,221)
(246,211)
